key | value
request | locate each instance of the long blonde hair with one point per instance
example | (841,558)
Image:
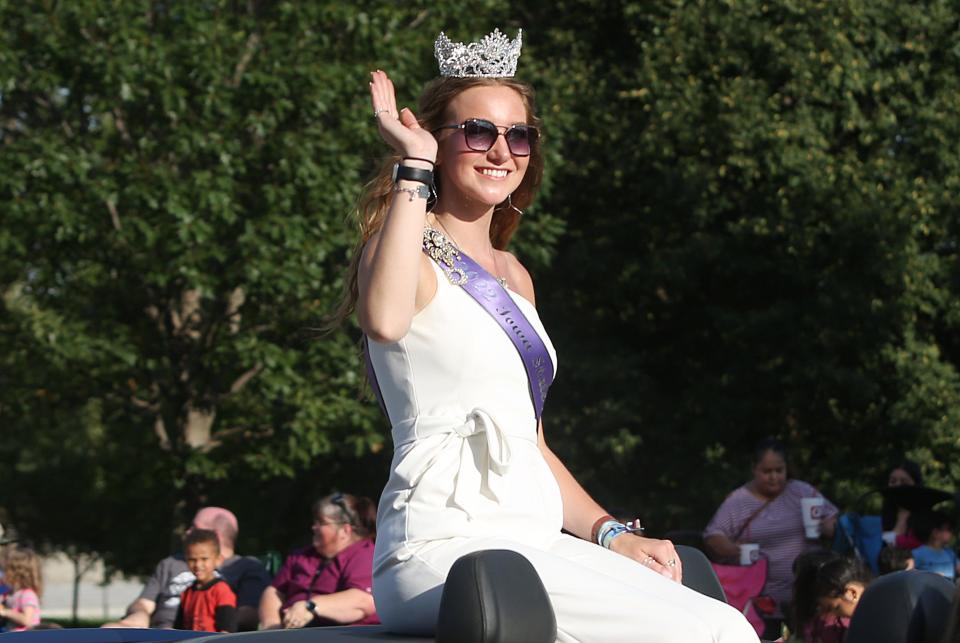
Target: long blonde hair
(21,569)
(377,194)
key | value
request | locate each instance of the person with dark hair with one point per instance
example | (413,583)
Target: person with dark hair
(768,511)
(463,366)
(839,585)
(158,601)
(905,473)
(935,529)
(208,605)
(805,618)
(328,582)
(895,519)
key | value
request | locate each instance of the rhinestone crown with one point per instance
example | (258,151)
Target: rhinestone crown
(493,57)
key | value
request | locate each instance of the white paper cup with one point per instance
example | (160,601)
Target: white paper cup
(749,553)
(812,512)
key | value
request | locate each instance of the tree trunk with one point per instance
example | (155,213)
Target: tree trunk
(77,575)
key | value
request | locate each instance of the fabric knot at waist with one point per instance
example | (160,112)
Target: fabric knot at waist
(481,463)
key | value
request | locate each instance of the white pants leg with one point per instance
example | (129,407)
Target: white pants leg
(598,596)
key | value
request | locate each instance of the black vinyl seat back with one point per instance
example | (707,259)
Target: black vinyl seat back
(903,607)
(698,574)
(495,596)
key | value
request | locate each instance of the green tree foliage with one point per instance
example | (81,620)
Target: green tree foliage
(747,227)
(762,240)
(176,180)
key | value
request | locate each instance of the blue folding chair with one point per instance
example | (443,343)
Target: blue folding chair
(860,535)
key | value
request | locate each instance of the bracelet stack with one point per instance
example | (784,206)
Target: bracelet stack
(595,530)
(417,175)
(608,531)
(607,528)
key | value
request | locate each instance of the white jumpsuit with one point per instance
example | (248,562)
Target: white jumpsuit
(467,475)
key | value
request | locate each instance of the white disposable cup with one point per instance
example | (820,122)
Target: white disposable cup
(749,553)
(812,512)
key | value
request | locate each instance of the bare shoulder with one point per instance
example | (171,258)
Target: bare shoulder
(518,277)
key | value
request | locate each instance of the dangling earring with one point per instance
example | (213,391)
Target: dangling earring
(510,203)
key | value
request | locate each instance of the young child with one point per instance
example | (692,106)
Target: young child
(936,531)
(839,585)
(208,605)
(806,623)
(21,608)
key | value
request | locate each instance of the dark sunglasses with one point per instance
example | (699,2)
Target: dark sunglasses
(481,134)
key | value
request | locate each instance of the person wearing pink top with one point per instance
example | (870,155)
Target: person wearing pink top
(896,519)
(21,608)
(766,511)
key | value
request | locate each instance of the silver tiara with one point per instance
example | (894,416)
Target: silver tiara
(493,57)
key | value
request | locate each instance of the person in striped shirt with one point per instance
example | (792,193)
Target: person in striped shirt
(767,511)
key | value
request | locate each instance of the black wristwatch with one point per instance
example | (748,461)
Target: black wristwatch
(404,173)
(312,607)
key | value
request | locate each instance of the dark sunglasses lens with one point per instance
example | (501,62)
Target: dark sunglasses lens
(480,135)
(520,139)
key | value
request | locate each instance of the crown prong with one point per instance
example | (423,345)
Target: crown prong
(495,56)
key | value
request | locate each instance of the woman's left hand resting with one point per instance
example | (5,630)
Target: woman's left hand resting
(658,555)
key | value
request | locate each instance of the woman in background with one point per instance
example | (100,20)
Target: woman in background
(329,581)
(767,511)
(895,519)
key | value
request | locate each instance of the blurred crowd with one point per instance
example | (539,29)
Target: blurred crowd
(208,586)
(797,567)
(785,554)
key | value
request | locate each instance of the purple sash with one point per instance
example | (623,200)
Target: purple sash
(463,271)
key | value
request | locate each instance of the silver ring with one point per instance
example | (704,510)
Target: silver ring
(671,563)
(648,560)
(376,113)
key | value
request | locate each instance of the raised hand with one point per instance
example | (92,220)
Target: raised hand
(399,129)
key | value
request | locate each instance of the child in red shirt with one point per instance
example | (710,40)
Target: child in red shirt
(208,605)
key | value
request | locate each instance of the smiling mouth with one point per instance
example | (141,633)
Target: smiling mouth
(493,172)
